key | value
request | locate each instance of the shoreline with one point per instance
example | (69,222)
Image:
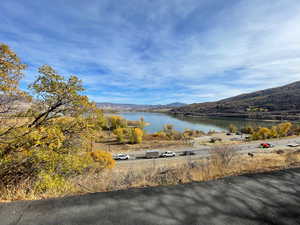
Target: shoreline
(240,116)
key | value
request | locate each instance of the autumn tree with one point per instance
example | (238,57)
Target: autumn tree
(51,145)
(247,129)
(136,135)
(116,122)
(11,70)
(283,129)
(119,132)
(261,133)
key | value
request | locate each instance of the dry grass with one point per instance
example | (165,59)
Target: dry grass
(183,172)
(219,165)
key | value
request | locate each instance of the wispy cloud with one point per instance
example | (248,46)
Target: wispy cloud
(158,51)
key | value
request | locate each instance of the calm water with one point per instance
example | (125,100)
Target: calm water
(158,120)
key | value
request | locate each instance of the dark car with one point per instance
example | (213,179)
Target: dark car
(188,153)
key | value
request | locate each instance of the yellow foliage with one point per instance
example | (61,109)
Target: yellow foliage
(115,122)
(273,132)
(52,182)
(138,135)
(160,134)
(10,70)
(120,134)
(283,129)
(104,158)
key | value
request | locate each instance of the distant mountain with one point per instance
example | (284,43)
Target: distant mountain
(136,107)
(284,100)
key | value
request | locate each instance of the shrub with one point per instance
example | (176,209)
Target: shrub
(295,129)
(283,129)
(168,128)
(273,132)
(247,130)
(232,128)
(105,159)
(120,134)
(222,156)
(160,135)
(51,182)
(211,132)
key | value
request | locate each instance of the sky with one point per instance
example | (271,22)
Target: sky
(158,51)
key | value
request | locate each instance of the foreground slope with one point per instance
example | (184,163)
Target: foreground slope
(280,101)
(268,198)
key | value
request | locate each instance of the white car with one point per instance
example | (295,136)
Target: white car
(121,157)
(294,145)
(168,154)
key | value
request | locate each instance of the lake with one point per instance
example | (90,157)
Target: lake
(158,120)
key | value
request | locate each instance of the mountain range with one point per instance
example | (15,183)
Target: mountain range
(137,107)
(274,103)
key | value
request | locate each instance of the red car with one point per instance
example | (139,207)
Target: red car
(266,145)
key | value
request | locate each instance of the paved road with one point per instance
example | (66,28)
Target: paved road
(203,151)
(264,199)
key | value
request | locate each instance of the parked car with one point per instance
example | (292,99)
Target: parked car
(121,157)
(168,154)
(152,154)
(236,139)
(266,145)
(294,145)
(188,153)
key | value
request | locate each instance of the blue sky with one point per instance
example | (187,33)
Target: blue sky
(158,51)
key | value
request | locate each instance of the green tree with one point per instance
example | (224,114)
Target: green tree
(119,132)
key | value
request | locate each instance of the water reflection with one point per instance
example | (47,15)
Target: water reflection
(157,121)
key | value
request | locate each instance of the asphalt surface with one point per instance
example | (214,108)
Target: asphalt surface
(204,151)
(264,199)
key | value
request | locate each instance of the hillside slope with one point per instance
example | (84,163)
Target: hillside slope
(273,101)
(136,107)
